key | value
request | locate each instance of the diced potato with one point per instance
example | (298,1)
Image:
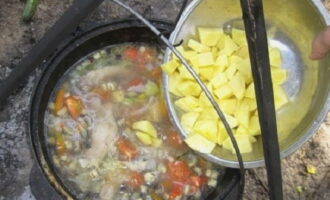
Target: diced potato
(243,142)
(234,60)
(254,127)
(187,103)
(250,93)
(237,85)
(193,61)
(228,106)
(244,67)
(173,82)
(241,130)
(222,133)
(239,37)
(199,143)
(251,102)
(279,75)
(144,138)
(215,53)
(207,128)
(204,101)
(232,121)
(224,92)
(218,80)
(205,59)
(145,127)
(243,114)
(189,88)
(185,74)
(210,36)
(279,96)
(275,57)
(208,113)
(230,46)
(188,120)
(221,61)
(170,66)
(243,52)
(230,71)
(196,46)
(207,72)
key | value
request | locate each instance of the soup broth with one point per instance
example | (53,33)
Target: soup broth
(109,134)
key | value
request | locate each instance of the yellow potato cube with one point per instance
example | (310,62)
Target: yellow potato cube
(215,53)
(207,72)
(244,67)
(145,127)
(199,143)
(170,66)
(144,138)
(230,46)
(204,101)
(185,74)
(196,46)
(279,96)
(205,59)
(187,103)
(188,120)
(193,61)
(251,102)
(224,92)
(208,113)
(254,127)
(230,71)
(232,121)
(243,52)
(239,37)
(218,80)
(208,128)
(173,82)
(250,93)
(279,75)
(222,133)
(241,130)
(228,106)
(237,85)
(243,142)
(189,88)
(275,57)
(234,60)
(209,36)
(221,61)
(243,114)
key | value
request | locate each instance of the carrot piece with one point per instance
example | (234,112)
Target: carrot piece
(59,100)
(131,53)
(103,94)
(156,73)
(74,106)
(126,148)
(136,180)
(59,144)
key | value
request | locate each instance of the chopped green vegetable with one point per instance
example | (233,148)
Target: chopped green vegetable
(29,10)
(151,88)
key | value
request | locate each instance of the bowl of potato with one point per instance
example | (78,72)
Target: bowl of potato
(221,59)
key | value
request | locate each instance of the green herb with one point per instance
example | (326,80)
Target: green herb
(29,10)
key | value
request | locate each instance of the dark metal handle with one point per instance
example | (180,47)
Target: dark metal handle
(258,48)
(79,10)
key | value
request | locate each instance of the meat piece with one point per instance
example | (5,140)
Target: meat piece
(104,133)
(99,76)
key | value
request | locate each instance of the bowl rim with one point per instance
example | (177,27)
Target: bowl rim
(319,7)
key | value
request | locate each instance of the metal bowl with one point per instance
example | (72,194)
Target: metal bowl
(291,26)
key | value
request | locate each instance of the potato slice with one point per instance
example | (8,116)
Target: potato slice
(196,46)
(188,120)
(237,85)
(207,128)
(145,127)
(170,66)
(205,59)
(210,36)
(199,143)
(279,75)
(224,92)
(187,103)
(243,142)
(229,46)
(189,87)
(219,80)
(229,106)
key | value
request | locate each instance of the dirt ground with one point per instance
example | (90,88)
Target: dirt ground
(16,40)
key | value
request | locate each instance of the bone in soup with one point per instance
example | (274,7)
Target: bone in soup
(109,134)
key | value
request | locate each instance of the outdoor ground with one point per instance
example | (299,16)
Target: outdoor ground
(16,160)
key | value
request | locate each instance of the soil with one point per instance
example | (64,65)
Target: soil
(16,160)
